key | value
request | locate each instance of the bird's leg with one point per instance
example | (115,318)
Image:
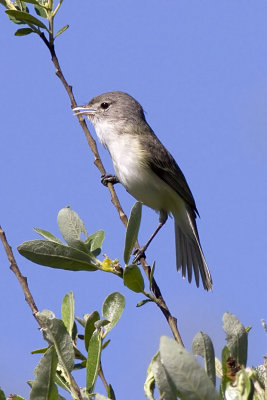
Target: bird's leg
(139,253)
(106,178)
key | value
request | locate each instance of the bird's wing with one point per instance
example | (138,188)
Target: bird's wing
(164,165)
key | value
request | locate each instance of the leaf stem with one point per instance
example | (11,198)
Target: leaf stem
(57,7)
(102,377)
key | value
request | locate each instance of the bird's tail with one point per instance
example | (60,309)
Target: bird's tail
(189,254)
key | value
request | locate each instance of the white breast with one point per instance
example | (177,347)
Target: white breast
(124,150)
(129,165)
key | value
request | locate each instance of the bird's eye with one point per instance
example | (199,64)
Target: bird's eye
(104,105)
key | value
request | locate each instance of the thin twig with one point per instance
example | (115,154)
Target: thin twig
(15,269)
(172,321)
(28,296)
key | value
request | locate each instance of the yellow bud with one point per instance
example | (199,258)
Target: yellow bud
(107,265)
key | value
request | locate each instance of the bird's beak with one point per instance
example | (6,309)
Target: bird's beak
(83,110)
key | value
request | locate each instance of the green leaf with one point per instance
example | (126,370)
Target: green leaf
(71,227)
(104,345)
(40,351)
(237,338)
(90,327)
(244,384)
(40,11)
(225,355)
(133,279)
(16,21)
(94,242)
(47,235)
(132,230)
(44,386)
(44,3)
(242,390)
(67,311)
(218,368)
(26,18)
(202,346)
(20,5)
(165,386)
(61,30)
(4,3)
(112,309)
(111,394)
(55,333)
(61,381)
(56,255)
(101,323)
(93,360)
(225,380)
(74,332)
(149,385)
(31,1)
(143,302)
(2,395)
(151,275)
(23,32)
(184,372)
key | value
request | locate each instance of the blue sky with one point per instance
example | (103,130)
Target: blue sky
(200,71)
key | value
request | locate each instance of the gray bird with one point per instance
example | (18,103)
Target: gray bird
(150,174)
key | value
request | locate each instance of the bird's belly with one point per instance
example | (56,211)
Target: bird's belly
(143,184)
(136,176)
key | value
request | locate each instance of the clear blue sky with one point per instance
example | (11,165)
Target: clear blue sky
(200,71)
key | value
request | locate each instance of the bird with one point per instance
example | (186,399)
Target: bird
(150,174)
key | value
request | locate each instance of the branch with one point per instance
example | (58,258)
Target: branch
(28,296)
(22,279)
(172,321)
(102,377)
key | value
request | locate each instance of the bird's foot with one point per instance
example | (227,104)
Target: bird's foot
(139,253)
(108,178)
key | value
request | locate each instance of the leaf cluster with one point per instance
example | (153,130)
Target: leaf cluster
(61,357)
(77,255)
(82,255)
(19,13)
(177,374)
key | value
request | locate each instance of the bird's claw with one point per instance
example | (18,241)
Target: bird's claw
(139,253)
(108,178)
